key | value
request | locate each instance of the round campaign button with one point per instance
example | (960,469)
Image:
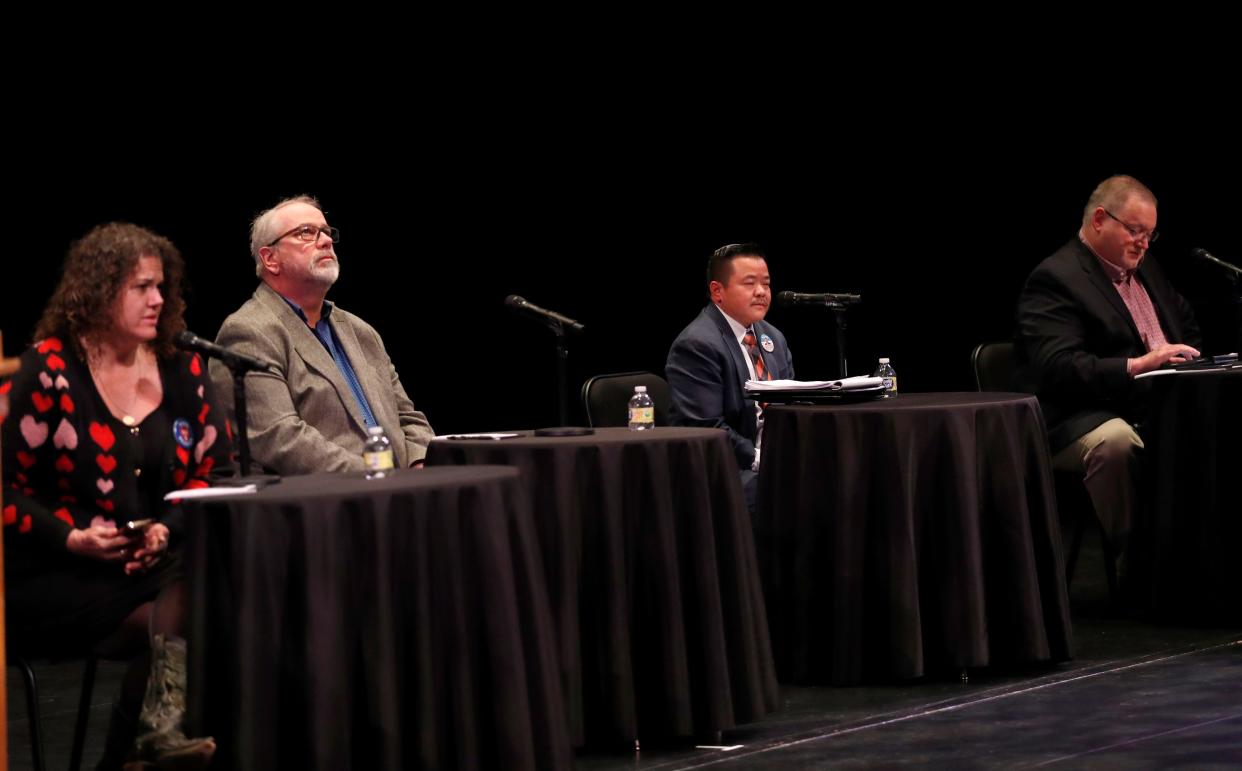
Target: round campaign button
(182,433)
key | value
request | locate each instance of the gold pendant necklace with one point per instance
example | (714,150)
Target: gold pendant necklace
(127,417)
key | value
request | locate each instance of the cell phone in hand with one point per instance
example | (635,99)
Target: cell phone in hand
(138,525)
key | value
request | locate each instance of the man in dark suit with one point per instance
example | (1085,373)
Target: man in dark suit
(728,344)
(1092,317)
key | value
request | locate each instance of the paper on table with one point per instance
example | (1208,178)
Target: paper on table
(1215,363)
(477,436)
(857,383)
(210,492)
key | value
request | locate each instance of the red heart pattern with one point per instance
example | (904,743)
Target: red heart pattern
(102,435)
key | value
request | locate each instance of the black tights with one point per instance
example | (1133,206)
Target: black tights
(132,640)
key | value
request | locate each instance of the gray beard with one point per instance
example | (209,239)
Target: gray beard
(326,275)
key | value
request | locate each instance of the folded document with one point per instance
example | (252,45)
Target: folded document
(858,383)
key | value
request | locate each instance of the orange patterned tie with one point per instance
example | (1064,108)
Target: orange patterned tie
(761,371)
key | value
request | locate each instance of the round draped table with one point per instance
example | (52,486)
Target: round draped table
(338,622)
(901,536)
(1186,546)
(652,577)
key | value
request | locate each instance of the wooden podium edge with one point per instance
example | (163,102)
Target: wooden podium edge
(7,367)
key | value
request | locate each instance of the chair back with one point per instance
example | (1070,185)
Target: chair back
(994,365)
(605,397)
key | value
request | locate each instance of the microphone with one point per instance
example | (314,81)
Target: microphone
(823,298)
(1204,254)
(551,318)
(235,361)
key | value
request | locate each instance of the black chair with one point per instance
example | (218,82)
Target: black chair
(994,365)
(23,663)
(604,397)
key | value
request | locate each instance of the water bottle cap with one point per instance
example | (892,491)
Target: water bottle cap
(640,389)
(884,360)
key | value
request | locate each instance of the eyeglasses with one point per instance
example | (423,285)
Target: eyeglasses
(310,233)
(1137,233)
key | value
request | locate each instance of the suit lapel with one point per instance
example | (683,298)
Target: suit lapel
(741,372)
(1095,272)
(311,351)
(353,350)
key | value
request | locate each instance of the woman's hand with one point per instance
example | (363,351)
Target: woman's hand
(102,541)
(154,544)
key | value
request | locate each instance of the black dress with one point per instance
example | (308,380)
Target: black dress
(67,462)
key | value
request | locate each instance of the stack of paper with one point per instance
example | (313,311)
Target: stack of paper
(858,383)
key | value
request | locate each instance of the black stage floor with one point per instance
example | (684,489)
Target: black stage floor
(1136,696)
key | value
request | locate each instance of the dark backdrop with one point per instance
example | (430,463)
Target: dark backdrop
(610,221)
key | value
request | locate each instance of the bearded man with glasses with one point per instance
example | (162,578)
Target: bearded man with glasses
(1090,318)
(331,377)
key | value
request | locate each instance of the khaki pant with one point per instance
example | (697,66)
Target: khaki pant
(1107,456)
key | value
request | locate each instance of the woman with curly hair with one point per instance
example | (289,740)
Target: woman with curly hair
(106,417)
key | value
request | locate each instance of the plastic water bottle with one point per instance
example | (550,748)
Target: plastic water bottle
(886,371)
(377,454)
(642,410)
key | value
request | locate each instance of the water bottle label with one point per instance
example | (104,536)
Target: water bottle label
(642,414)
(377,461)
(890,384)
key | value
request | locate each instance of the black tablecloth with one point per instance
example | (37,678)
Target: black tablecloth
(652,577)
(338,622)
(897,537)
(1188,542)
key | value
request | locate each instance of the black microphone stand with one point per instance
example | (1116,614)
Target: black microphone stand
(838,315)
(561,326)
(239,367)
(239,413)
(561,330)
(562,371)
(838,304)
(1235,279)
